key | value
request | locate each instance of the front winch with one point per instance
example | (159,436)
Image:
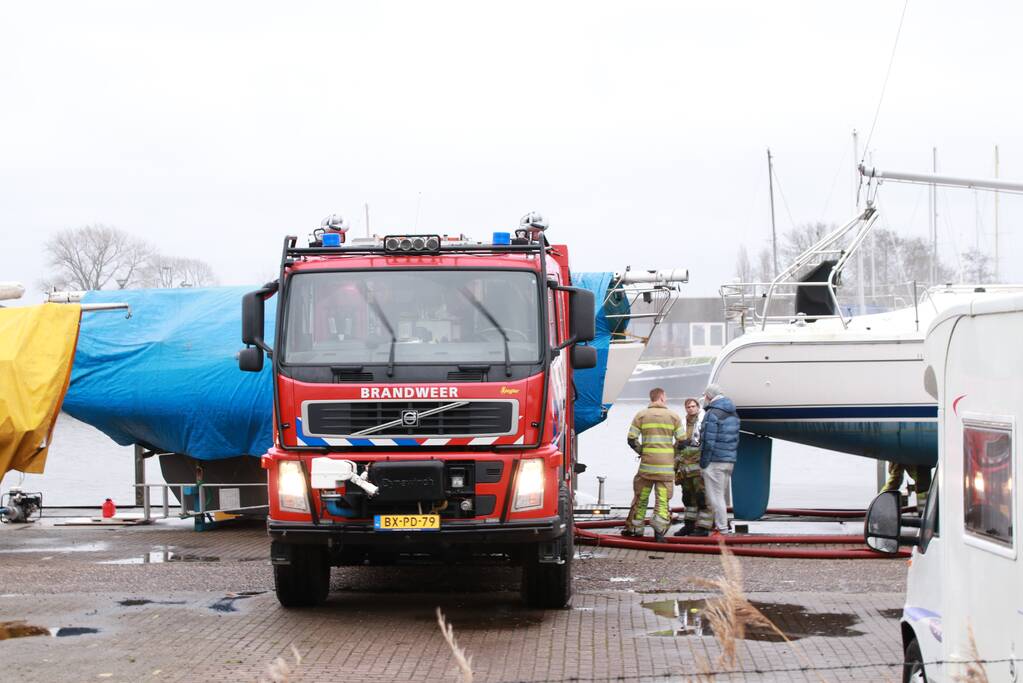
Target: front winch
(328,473)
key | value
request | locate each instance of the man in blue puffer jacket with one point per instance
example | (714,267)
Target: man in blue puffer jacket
(719,441)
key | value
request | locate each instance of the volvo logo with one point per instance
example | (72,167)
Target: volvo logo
(410,418)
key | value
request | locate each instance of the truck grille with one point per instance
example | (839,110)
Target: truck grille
(349,418)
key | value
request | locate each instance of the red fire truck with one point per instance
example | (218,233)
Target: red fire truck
(423,405)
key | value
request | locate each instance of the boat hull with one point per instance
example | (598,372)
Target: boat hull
(863,396)
(678,381)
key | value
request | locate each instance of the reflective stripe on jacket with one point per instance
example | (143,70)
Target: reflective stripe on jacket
(653,434)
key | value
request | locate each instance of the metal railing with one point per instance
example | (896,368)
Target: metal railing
(658,290)
(201,498)
(756,303)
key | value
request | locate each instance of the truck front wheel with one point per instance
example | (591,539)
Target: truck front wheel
(305,582)
(547,568)
(547,585)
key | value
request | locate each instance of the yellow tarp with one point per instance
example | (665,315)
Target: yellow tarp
(37,347)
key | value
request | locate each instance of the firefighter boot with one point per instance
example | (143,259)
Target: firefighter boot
(687,529)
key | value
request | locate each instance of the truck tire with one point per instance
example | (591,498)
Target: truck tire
(549,585)
(306,581)
(913,664)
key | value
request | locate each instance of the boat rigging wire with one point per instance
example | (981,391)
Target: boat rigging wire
(834,181)
(783,199)
(884,85)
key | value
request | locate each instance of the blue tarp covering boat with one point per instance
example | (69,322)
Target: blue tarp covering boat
(167,377)
(589,383)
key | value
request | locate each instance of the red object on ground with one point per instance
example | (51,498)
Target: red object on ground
(109,509)
(737,544)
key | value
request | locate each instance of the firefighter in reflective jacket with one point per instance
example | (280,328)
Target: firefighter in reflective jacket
(653,435)
(921,476)
(698,518)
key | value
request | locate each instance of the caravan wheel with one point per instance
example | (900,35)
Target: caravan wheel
(913,665)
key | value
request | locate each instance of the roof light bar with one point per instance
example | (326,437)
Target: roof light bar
(412,244)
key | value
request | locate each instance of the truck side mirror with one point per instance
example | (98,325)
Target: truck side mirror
(250,359)
(883,526)
(582,318)
(252,318)
(583,357)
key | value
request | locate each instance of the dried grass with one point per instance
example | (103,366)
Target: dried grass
(975,671)
(732,613)
(279,671)
(464,662)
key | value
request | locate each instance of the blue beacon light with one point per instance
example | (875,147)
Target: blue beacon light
(502,238)
(332,239)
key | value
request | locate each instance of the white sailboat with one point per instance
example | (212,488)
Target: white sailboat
(805,370)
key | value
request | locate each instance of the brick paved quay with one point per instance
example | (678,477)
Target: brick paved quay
(170,604)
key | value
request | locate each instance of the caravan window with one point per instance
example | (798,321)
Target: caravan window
(987,478)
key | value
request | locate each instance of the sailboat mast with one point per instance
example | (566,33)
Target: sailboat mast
(861,298)
(934,219)
(774,233)
(996,217)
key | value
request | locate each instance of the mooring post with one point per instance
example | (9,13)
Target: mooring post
(140,474)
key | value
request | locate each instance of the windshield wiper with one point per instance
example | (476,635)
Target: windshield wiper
(493,321)
(387,323)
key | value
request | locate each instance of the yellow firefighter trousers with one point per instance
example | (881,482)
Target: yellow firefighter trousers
(661,518)
(694,496)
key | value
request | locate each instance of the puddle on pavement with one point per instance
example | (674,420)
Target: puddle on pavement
(159,555)
(588,555)
(19,629)
(795,621)
(226,603)
(77,548)
(136,602)
(75,631)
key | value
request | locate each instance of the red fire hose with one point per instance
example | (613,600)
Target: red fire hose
(740,544)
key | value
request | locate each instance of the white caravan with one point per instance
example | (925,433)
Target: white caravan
(964,599)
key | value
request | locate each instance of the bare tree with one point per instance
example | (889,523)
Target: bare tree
(765,265)
(196,273)
(93,256)
(743,268)
(895,260)
(171,271)
(898,260)
(799,239)
(977,267)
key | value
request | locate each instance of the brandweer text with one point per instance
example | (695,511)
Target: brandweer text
(409,392)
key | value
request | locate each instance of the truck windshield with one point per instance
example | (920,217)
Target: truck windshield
(445,317)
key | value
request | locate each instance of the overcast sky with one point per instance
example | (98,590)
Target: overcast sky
(638,129)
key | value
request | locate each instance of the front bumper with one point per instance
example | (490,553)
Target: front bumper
(474,532)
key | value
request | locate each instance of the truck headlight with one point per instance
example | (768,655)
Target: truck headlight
(529,485)
(291,492)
